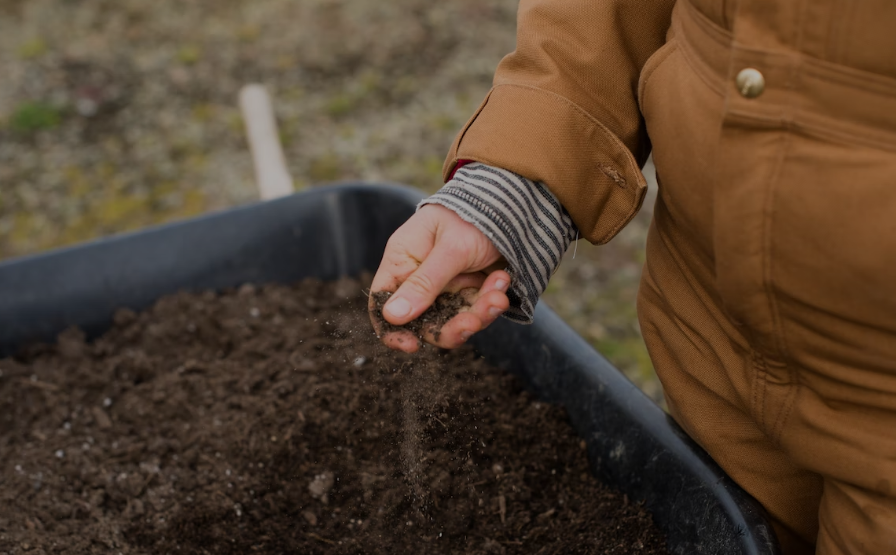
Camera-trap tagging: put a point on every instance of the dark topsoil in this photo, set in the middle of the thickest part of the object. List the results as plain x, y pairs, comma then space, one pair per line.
445, 307
271, 421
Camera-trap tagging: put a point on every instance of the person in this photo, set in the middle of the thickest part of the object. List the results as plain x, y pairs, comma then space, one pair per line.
768, 297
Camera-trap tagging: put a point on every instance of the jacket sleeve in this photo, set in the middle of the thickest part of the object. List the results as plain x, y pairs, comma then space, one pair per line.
564, 110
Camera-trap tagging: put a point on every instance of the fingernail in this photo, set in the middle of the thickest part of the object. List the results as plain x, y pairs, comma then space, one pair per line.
494, 312
464, 335
398, 308
501, 284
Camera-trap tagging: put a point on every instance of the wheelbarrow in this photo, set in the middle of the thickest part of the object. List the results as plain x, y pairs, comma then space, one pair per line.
342, 230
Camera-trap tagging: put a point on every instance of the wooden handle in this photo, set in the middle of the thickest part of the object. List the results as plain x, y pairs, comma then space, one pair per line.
271, 174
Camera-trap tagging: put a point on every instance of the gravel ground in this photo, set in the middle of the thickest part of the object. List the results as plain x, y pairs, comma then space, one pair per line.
118, 114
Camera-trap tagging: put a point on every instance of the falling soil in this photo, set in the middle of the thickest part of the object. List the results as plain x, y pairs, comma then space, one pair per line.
271, 420
445, 307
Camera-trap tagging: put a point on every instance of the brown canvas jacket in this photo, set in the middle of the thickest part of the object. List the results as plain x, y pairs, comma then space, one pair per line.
564, 106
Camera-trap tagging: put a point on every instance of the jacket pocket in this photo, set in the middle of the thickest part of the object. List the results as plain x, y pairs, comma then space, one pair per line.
653, 63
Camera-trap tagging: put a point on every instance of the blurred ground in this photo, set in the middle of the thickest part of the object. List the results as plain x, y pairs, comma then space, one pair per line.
118, 114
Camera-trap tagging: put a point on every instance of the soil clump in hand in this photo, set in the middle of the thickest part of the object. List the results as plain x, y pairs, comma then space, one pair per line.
445, 307
271, 420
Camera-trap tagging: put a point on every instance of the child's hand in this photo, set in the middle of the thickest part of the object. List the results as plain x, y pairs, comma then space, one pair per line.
432, 252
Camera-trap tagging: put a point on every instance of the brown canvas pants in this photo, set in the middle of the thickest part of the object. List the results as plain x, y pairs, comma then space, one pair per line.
768, 300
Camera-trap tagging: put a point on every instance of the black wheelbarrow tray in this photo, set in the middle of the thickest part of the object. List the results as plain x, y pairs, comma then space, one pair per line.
342, 230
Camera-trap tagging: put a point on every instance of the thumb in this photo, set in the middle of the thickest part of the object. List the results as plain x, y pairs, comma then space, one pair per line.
421, 288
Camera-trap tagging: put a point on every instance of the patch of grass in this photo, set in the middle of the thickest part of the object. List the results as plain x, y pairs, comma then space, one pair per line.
629, 354
347, 131
32, 48
407, 85
325, 168
341, 105
30, 117
286, 62
248, 32
432, 166
203, 112
370, 82
444, 122
25, 227
115, 209
188, 54
354, 95
287, 137
235, 123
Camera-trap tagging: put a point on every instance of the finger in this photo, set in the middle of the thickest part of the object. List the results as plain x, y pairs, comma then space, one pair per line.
499, 280
481, 314
462, 283
467, 285
422, 287
486, 304
489, 307
400, 259
401, 341
500, 264
455, 332
398, 262
375, 320
408, 245
491, 300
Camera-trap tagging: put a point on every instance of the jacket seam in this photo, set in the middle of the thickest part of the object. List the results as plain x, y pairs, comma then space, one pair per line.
463, 133
769, 285
708, 77
654, 63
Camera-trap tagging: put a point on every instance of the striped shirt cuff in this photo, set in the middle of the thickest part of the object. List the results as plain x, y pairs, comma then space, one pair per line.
522, 218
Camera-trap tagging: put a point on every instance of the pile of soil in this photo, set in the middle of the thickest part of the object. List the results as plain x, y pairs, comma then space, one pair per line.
445, 307
271, 420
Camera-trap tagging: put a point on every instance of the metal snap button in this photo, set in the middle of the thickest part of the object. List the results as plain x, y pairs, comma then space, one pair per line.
750, 83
